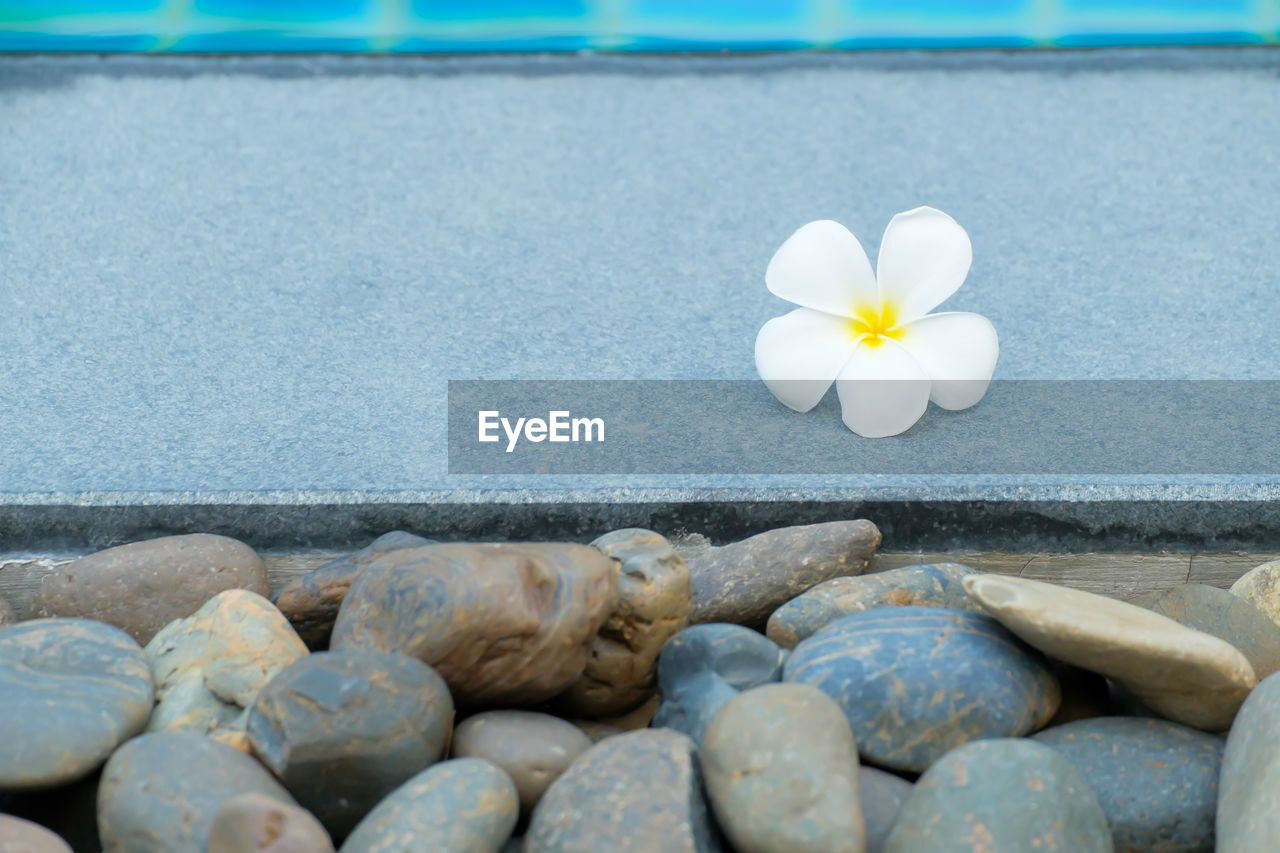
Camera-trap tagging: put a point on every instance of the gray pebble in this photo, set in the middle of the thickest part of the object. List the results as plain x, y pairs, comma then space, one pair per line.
465, 805
71, 690
343, 729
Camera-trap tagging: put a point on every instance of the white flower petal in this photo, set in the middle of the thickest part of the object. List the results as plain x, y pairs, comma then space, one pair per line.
924, 257
799, 355
958, 350
883, 391
823, 266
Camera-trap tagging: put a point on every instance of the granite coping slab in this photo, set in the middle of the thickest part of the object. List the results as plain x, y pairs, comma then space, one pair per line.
232, 290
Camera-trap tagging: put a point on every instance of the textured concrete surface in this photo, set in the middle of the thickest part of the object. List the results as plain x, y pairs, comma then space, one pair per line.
235, 287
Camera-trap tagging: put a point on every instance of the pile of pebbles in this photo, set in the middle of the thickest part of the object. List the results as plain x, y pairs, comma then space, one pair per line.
630, 695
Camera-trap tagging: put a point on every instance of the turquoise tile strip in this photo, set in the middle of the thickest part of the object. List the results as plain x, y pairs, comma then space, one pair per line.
482, 26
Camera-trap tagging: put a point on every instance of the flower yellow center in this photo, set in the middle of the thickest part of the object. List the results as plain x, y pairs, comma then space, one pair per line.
875, 322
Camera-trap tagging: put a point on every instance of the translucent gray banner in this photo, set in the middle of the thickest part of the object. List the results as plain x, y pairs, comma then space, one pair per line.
1085, 427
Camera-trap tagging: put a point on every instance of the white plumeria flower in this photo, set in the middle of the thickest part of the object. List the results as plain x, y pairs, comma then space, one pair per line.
870, 334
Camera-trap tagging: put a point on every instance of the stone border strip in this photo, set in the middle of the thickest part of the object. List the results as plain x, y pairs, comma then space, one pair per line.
1117, 575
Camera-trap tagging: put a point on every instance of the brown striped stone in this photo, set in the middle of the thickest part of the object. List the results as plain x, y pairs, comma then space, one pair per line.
144, 586
506, 624
311, 602
654, 600
746, 581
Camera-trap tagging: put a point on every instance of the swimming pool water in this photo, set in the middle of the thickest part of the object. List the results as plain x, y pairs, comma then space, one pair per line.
477, 26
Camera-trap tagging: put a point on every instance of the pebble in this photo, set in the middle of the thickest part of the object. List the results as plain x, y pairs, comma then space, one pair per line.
311, 602
781, 771
343, 729
934, 585
1185, 675
23, 836
1225, 616
464, 805
160, 792
1157, 782
253, 823
916, 682
1001, 796
71, 690
746, 581
209, 666
654, 600
705, 666
1248, 819
642, 787
1261, 587
532, 748
882, 796
143, 586
503, 624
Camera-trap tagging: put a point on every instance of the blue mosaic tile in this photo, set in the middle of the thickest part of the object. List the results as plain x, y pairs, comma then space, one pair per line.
427, 26
722, 10
499, 10
268, 41
251, 11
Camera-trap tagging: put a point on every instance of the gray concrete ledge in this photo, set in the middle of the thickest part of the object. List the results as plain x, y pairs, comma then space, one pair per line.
929, 525
232, 289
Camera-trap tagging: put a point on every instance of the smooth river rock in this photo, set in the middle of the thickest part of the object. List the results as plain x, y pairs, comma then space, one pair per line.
916, 682
209, 666
705, 666
253, 823
746, 581
639, 792
508, 624
1248, 818
1157, 782
464, 805
144, 586
1261, 587
882, 795
71, 690
1225, 616
781, 771
23, 836
160, 792
1001, 796
343, 729
654, 601
311, 602
532, 748
934, 585
1183, 674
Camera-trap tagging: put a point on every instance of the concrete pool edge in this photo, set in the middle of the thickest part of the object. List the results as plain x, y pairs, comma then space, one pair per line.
1232, 520
82, 446
44, 69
